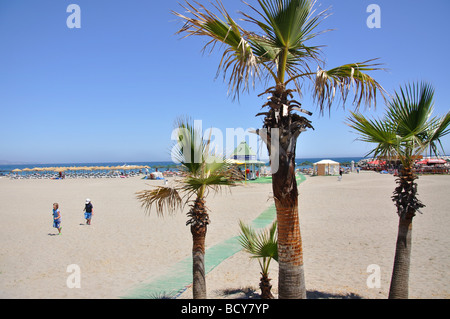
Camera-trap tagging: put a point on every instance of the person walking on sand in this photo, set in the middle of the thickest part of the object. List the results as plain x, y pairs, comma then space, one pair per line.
340, 174
57, 218
88, 209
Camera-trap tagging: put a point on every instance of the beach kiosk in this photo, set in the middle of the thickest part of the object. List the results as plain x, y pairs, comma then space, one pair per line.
326, 167
245, 157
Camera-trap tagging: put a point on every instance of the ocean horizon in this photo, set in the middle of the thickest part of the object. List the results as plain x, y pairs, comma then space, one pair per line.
6, 168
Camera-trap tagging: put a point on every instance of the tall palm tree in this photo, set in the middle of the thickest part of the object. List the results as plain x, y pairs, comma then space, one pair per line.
261, 245
405, 132
204, 172
277, 49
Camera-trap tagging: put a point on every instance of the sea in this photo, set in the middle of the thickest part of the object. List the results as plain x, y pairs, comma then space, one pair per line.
162, 166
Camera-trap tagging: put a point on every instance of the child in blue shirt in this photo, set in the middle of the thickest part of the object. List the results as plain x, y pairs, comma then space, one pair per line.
57, 218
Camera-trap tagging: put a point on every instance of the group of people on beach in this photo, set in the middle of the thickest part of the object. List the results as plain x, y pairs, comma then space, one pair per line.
88, 212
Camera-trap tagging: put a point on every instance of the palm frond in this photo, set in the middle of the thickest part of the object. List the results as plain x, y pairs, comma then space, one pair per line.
279, 49
411, 108
163, 198
237, 58
260, 245
204, 171
342, 79
214, 177
407, 129
286, 27
287, 23
375, 131
208, 171
202, 185
189, 149
440, 128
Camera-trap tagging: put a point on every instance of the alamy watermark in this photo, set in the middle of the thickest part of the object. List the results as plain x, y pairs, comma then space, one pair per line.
74, 19
74, 279
374, 279
374, 19
220, 144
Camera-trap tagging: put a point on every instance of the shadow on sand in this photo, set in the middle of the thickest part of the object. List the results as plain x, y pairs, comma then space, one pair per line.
314, 294
248, 293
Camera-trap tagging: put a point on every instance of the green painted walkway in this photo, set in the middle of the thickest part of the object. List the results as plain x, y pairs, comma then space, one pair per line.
179, 276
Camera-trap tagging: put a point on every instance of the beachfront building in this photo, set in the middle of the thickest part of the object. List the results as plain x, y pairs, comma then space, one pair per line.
326, 167
245, 158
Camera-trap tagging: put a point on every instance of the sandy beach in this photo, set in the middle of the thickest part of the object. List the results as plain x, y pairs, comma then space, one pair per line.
346, 226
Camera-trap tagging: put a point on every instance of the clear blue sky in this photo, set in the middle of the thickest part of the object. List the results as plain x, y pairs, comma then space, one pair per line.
111, 90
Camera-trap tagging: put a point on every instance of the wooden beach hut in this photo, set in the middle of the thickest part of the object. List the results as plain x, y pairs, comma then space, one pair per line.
326, 167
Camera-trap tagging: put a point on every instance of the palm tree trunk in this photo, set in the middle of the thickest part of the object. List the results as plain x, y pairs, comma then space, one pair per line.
405, 198
282, 130
291, 281
198, 262
198, 221
265, 287
400, 274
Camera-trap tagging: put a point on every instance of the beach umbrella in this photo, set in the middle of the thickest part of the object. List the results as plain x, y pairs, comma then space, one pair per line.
16, 170
109, 169
26, 170
100, 168
39, 169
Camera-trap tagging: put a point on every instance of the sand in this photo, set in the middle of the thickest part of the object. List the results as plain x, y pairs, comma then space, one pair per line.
346, 226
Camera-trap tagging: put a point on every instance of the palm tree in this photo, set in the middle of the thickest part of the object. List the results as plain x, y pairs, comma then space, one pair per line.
278, 51
406, 131
262, 245
204, 172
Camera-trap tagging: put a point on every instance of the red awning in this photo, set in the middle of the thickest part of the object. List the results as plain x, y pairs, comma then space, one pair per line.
377, 162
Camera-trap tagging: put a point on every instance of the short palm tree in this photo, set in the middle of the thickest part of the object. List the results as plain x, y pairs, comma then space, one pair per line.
277, 49
262, 245
204, 171
405, 132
